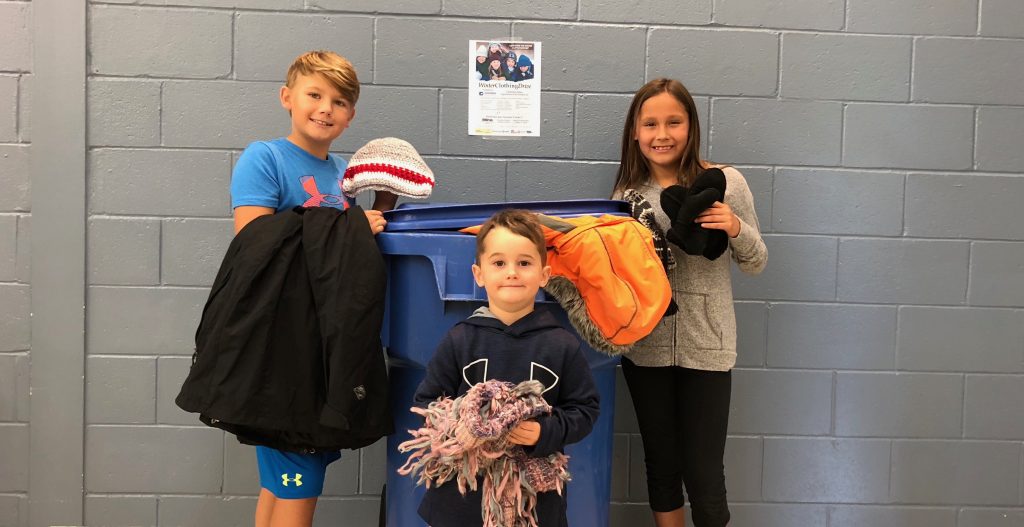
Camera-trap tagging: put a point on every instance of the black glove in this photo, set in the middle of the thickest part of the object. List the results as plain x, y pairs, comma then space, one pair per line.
683, 205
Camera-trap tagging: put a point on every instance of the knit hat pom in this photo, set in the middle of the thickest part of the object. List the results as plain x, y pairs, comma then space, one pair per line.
389, 164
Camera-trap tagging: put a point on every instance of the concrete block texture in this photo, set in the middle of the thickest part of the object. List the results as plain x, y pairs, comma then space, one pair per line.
716, 61
14, 510
890, 135
408, 113
376, 6
15, 25
606, 58
373, 468
429, 52
555, 140
14, 387
777, 402
801, 268
123, 251
14, 176
760, 180
24, 247
208, 511
1002, 18
192, 250
535, 9
463, 180
599, 125
24, 108
117, 511
972, 71
224, 114
15, 324
170, 373
996, 268
826, 470
9, 104
14, 444
761, 131
960, 340
620, 468
801, 14
913, 17
284, 5
990, 408
149, 42
903, 271
688, 12
751, 333
776, 515
120, 390
881, 404
153, 460
910, 516
976, 517
265, 43
1000, 139
241, 475
123, 112
744, 459
142, 320
159, 182
823, 201
544, 180
964, 206
8, 247
831, 336
360, 511
845, 67
955, 472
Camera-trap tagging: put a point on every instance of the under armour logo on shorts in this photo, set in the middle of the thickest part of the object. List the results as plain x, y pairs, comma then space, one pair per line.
297, 480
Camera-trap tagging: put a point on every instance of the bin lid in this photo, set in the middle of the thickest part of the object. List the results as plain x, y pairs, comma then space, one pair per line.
441, 216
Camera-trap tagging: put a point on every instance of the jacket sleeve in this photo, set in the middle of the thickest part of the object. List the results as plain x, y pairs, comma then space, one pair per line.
574, 414
348, 281
443, 375
748, 249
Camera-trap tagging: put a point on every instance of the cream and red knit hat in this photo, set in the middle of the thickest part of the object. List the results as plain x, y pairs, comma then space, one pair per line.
389, 164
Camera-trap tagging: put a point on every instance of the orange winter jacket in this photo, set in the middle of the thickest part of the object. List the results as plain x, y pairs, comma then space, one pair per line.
612, 262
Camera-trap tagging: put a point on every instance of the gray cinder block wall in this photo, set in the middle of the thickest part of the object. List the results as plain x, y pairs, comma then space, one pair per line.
881, 366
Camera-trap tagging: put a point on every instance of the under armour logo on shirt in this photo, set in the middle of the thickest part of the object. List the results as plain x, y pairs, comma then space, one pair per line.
297, 480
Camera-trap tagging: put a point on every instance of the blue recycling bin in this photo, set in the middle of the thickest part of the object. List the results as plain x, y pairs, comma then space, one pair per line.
430, 289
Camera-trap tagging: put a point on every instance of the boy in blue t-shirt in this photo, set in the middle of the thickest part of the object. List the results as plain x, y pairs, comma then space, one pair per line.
320, 95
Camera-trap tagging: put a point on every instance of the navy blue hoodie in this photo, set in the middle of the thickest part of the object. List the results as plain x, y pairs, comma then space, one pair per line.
534, 347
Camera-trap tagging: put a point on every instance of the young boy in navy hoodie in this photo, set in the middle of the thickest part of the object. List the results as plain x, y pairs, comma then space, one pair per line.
511, 341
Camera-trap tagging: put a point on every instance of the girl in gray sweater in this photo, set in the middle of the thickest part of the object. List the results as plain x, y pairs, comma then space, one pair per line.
680, 375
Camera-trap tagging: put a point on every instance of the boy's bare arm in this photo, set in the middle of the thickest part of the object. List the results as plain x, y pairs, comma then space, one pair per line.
246, 213
383, 200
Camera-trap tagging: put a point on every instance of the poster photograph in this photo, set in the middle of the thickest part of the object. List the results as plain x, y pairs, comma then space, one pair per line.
504, 88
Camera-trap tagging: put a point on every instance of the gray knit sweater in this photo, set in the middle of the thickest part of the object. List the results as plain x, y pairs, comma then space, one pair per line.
702, 335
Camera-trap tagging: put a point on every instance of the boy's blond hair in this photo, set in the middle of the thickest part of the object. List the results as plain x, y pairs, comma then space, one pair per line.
335, 68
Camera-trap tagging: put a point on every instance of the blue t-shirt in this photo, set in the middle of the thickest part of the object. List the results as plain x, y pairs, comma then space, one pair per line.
293, 177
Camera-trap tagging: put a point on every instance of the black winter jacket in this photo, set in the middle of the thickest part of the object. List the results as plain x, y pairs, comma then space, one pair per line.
288, 352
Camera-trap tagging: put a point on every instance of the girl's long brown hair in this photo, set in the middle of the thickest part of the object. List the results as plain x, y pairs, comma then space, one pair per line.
633, 167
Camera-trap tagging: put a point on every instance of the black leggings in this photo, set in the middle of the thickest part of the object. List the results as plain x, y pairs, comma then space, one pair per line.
683, 416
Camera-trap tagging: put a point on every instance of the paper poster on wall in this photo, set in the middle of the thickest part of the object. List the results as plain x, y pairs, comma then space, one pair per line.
504, 88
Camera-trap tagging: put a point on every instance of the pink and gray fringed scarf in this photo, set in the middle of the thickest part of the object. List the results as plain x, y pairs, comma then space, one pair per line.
468, 436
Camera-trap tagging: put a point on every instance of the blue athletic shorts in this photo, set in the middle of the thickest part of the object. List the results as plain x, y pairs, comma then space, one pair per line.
290, 475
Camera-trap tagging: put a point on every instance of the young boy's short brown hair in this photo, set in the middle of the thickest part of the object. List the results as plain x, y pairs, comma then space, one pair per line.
519, 221
335, 68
